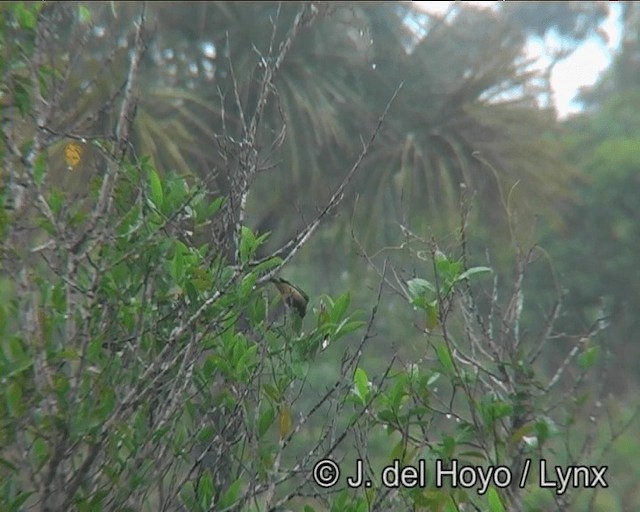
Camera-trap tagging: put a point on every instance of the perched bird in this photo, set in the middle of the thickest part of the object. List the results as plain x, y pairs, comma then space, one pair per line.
292, 296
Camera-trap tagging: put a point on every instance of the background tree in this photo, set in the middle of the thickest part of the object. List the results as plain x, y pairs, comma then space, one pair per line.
480, 101
595, 251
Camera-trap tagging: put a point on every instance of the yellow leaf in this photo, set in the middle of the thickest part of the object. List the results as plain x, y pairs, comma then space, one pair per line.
432, 315
284, 421
73, 154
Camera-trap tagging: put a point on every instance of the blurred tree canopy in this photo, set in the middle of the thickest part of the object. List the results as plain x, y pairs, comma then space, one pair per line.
596, 250
466, 113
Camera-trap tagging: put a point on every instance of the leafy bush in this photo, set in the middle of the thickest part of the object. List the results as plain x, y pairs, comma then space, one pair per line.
148, 364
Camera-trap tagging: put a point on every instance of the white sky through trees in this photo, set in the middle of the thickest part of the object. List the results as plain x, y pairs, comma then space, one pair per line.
581, 69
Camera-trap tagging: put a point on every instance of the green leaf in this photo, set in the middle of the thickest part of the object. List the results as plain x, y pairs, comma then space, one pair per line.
231, 496
26, 16
177, 263
588, 357
448, 445
347, 327
247, 244
493, 410
440, 258
526, 430
20, 499
215, 206
444, 356
387, 416
247, 285
14, 398
340, 307
361, 382
19, 366
187, 496
155, 186
39, 168
451, 506
56, 200
206, 434
105, 405
340, 502
473, 271
205, 489
267, 265
192, 293
22, 96
432, 315
495, 503
84, 14
266, 420
247, 362
419, 287
272, 392
545, 428
258, 310
398, 451
40, 451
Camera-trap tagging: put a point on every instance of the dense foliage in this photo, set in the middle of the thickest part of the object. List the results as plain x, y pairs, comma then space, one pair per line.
163, 164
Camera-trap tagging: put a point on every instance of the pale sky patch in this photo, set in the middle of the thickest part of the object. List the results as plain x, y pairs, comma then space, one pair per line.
582, 68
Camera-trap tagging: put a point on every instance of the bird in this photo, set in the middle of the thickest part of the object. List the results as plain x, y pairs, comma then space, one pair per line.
294, 297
